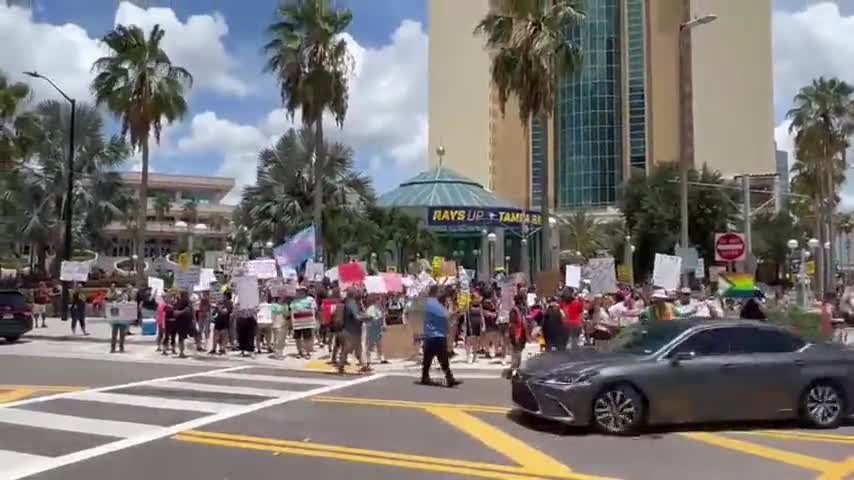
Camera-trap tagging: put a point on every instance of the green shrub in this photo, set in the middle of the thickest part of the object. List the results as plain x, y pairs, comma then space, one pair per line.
806, 324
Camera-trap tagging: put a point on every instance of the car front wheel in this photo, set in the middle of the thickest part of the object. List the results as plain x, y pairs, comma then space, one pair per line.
12, 338
618, 410
823, 405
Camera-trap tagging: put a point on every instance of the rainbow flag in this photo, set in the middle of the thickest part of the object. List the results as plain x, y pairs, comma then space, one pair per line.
736, 285
296, 250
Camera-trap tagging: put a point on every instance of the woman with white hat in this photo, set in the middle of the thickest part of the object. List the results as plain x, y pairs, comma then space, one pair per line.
660, 308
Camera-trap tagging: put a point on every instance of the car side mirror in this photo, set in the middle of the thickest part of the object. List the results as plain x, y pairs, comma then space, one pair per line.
680, 357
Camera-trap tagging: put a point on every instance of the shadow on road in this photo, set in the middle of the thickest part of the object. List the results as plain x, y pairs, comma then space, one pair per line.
543, 425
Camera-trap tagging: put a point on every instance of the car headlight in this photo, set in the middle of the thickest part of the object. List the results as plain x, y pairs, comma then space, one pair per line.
570, 379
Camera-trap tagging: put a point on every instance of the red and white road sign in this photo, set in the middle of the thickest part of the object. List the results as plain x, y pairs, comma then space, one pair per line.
730, 247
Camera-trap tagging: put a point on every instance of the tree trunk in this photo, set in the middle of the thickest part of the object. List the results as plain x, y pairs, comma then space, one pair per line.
317, 206
831, 252
141, 218
545, 231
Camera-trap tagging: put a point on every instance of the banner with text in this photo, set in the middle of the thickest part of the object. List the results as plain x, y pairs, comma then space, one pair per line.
468, 216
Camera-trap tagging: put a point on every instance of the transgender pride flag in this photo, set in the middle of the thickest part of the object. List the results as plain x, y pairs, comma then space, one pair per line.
296, 250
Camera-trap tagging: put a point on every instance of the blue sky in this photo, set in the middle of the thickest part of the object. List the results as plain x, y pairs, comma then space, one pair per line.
248, 116
234, 105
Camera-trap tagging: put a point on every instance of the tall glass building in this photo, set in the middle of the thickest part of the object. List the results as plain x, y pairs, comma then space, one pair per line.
589, 117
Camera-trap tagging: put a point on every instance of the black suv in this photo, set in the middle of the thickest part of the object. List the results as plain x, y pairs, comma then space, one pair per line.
16, 317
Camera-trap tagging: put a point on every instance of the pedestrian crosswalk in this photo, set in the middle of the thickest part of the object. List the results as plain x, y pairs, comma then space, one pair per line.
121, 416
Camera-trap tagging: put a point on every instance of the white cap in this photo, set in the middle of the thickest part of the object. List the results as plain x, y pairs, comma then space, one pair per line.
659, 293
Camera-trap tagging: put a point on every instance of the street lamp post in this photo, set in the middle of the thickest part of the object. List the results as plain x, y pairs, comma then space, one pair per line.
69, 186
801, 281
491, 240
684, 32
813, 245
629, 259
476, 253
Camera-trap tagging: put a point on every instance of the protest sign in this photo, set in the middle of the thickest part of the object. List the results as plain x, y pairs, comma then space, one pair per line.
314, 271
393, 282
603, 277
188, 279
449, 268
120, 313
157, 285
375, 284
247, 291
666, 270
573, 276
351, 272
262, 268
547, 283
74, 271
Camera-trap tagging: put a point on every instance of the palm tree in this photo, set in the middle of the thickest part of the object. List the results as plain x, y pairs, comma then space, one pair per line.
190, 212
216, 222
822, 120
139, 84
99, 195
282, 198
530, 53
18, 127
583, 233
162, 207
311, 63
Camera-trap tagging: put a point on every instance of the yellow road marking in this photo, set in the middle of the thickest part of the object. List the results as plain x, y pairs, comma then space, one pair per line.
801, 436
322, 366
842, 471
17, 394
408, 404
783, 456
533, 460
20, 392
377, 457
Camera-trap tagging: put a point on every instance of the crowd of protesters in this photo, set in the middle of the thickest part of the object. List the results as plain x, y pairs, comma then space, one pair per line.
486, 323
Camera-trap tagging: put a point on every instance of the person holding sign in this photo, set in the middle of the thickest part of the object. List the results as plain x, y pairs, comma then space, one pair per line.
78, 310
183, 320
304, 321
374, 328
41, 299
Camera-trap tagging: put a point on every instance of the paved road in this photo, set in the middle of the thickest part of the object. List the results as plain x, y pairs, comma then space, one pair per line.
95, 418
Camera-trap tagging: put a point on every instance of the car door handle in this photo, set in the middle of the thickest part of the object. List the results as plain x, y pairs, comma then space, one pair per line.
800, 363
728, 366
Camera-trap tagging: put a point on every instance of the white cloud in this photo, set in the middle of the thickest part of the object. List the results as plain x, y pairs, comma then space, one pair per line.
196, 44
386, 123
817, 41
65, 53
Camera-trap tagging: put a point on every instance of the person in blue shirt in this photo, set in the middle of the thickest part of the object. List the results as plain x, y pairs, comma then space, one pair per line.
435, 344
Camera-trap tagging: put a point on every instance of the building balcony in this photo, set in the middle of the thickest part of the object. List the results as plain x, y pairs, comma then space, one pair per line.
168, 229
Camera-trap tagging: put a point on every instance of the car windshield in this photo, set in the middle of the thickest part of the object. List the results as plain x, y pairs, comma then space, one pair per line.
647, 338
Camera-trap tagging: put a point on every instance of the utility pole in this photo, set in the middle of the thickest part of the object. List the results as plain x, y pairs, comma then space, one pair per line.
686, 127
748, 230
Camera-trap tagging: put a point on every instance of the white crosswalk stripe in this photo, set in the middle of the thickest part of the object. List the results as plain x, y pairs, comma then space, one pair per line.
207, 387
70, 423
170, 395
275, 378
8, 457
146, 401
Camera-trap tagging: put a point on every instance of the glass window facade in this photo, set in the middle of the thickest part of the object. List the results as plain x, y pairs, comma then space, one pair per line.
635, 76
589, 163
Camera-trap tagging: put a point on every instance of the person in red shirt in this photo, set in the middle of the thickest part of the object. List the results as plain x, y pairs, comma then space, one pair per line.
573, 309
518, 330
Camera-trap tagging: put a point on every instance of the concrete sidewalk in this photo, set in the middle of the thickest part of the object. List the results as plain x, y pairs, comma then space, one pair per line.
98, 328
57, 337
